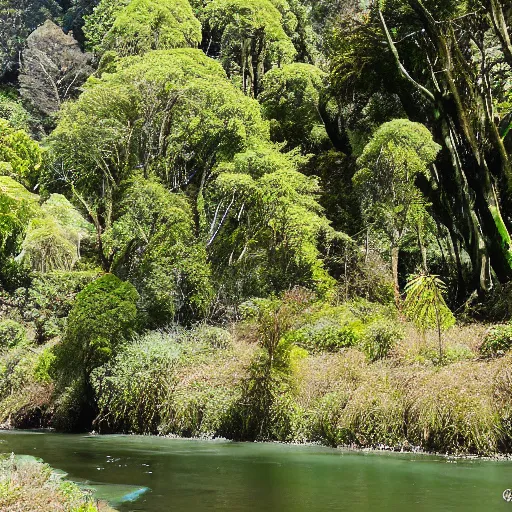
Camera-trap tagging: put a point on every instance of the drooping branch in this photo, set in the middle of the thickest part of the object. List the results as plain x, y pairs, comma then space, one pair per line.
429, 95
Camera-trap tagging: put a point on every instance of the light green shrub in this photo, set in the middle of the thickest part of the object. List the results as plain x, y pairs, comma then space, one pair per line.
212, 336
379, 338
178, 382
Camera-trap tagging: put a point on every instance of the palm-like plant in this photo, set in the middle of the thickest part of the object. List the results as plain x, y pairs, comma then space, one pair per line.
425, 306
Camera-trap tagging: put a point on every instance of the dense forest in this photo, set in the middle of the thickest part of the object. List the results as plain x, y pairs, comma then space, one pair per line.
258, 219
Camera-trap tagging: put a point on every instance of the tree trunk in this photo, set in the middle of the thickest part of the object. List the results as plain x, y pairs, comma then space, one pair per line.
395, 251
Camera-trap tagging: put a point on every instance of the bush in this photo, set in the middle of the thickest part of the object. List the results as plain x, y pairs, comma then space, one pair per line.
183, 385
327, 335
380, 337
103, 316
214, 337
11, 334
330, 329
497, 341
43, 366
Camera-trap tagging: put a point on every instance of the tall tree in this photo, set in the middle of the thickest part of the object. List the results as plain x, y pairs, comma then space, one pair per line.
144, 25
54, 69
391, 203
291, 97
441, 62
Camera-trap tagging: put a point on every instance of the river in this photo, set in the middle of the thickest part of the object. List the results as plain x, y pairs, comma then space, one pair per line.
163, 475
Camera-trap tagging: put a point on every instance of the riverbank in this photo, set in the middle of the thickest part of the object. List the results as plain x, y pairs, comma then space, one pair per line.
31, 486
206, 384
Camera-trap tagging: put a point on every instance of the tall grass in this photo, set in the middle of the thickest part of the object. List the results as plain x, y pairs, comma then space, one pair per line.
30, 486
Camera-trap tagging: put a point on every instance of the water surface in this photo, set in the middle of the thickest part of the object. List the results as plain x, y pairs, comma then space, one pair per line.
197, 476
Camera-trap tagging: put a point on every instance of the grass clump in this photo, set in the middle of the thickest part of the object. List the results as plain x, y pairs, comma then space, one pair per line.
30, 486
453, 410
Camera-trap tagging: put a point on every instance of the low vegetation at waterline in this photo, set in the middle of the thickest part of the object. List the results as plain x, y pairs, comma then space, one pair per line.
30, 486
374, 381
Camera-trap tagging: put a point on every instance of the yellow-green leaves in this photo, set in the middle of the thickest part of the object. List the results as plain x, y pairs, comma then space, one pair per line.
53, 238
20, 156
145, 25
17, 207
290, 97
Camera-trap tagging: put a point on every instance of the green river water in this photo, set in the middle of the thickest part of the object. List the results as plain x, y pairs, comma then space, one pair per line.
196, 476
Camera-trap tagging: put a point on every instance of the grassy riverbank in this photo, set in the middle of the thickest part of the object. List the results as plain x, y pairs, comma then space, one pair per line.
209, 382
30, 486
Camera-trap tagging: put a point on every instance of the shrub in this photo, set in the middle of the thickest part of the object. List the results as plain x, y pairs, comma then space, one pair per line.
451, 354
327, 335
380, 337
43, 366
329, 329
497, 341
183, 385
11, 334
214, 337
103, 316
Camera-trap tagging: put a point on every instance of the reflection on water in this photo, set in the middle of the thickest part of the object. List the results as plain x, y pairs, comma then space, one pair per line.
163, 475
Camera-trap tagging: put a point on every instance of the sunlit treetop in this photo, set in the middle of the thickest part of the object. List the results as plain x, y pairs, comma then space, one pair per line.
142, 25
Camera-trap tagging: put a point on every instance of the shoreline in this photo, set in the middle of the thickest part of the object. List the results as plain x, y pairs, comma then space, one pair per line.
382, 449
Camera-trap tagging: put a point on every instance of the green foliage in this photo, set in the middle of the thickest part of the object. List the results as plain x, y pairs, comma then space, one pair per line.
12, 334
498, 341
100, 21
13, 111
144, 25
52, 241
252, 38
46, 246
17, 207
380, 337
174, 391
278, 223
17, 365
355, 324
154, 244
391, 203
327, 333
20, 156
171, 113
26, 483
398, 152
251, 205
103, 315
48, 300
44, 365
426, 307
290, 98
